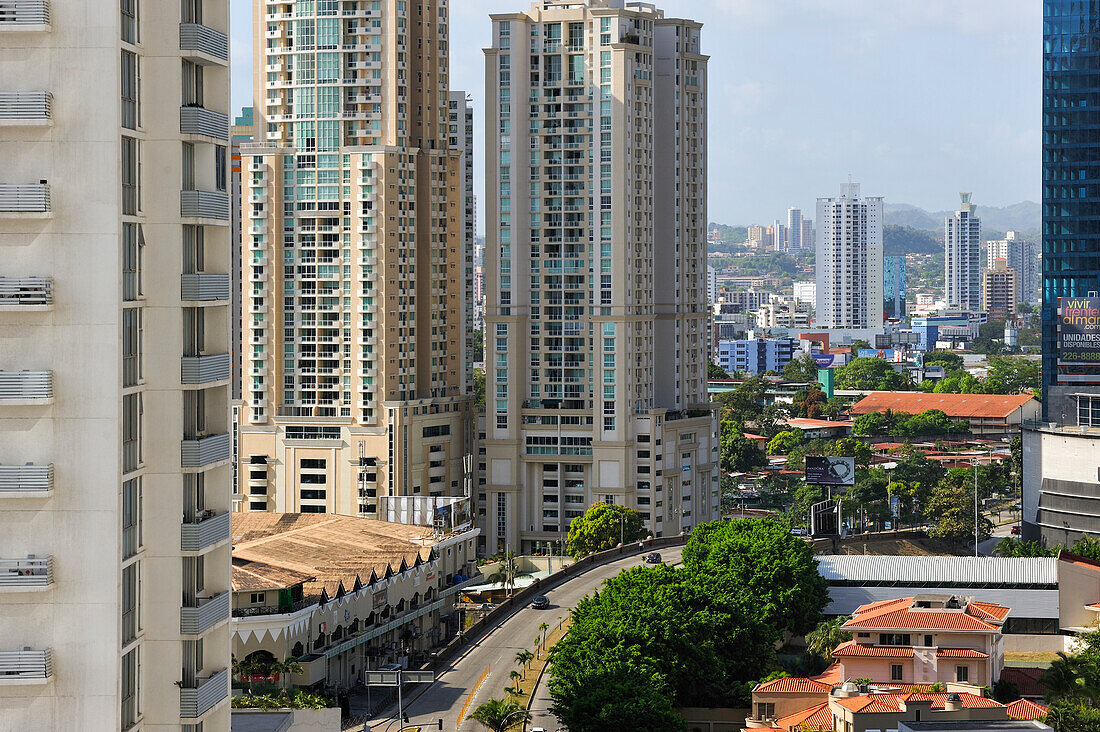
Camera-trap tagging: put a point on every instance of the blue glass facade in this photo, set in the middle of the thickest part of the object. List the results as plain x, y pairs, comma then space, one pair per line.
1071, 169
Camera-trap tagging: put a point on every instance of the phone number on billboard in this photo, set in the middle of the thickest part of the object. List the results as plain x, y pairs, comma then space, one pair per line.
1085, 356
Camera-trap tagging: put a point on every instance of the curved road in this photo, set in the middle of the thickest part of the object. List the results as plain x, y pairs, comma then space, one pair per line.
444, 698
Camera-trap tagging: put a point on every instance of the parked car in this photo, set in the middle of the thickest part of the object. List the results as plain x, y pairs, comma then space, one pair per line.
541, 602
799, 531
1015, 531
652, 558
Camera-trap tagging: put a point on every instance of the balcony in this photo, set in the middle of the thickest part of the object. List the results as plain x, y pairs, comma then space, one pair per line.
201, 452
26, 109
203, 122
26, 481
204, 45
25, 201
205, 205
206, 614
24, 15
205, 369
26, 388
205, 532
25, 666
26, 294
32, 574
206, 694
204, 287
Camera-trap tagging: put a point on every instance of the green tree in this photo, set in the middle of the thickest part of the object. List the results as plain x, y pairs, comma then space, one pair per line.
848, 447
809, 403
746, 400
1076, 675
918, 472
805, 496
835, 407
785, 441
479, 388
507, 572
522, 658
739, 453
871, 373
873, 424
602, 527
951, 507
1015, 548
828, 634
759, 559
714, 371
949, 360
495, 713
1014, 374
1087, 547
801, 369
1071, 715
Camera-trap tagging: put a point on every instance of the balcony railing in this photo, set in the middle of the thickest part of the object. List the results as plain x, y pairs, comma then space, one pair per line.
203, 451
205, 695
206, 122
26, 387
204, 40
26, 108
198, 535
16, 13
204, 286
25, 667
26, 480
205, 369
30, 573
33, 198
26, 293
204, 205
208, 613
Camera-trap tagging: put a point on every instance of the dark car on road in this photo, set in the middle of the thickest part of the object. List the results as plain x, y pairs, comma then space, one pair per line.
652, 558
541, 602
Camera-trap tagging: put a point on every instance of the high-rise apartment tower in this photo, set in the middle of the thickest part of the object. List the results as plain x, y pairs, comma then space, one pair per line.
849, 261
962, 235
595, 261
460, 131
355, 396
114, 365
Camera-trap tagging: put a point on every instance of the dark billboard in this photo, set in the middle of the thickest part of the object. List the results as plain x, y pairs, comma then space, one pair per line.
829, 470
1079, 330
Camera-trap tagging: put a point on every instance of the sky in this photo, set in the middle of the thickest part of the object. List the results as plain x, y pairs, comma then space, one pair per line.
915, 99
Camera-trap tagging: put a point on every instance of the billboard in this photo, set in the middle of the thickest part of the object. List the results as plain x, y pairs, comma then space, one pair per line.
1079, 330
830, 470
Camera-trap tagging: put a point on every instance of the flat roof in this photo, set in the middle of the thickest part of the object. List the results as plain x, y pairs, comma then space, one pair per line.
936, 571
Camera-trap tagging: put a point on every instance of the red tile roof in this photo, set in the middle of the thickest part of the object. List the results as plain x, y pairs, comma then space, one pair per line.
879, 703
1026, 709
953, 405
812, 424
899, 614
831, 675
1028, 681
851, 649
814, 719
960, 653
793, 685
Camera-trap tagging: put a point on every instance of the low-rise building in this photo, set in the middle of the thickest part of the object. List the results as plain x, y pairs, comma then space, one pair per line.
784, 312
925, 639
987, 414
855, 711
756, 356
343, 594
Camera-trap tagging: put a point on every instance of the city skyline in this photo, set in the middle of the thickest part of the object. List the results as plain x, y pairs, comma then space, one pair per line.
910, 53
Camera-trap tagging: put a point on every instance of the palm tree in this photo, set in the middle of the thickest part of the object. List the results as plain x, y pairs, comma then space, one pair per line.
523, 658
544, 627
496, 713
285, 667
826, 636
507, 572
243, 668
515, 676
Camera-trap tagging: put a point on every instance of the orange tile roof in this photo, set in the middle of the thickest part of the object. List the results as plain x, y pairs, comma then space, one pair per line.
1028, 681
960, 653
810, 424
793, 685
1026, 709
879, 703
870, 703
851, 649
814, 719
831, 675
953, 405
899, 614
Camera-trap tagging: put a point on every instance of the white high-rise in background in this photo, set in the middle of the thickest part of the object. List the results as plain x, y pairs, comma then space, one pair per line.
460, 132
779, 236
1022, 255
849, 260
595, 262
799, 231
115, 374
806, 292
962, 232
712, 285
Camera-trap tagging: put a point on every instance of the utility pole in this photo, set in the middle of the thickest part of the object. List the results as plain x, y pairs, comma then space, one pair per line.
976, 504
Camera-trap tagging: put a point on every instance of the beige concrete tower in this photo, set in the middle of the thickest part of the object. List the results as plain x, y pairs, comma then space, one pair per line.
114, 365
354, 398
595, 261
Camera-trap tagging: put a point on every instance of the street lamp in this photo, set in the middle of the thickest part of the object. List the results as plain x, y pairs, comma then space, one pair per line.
504, 722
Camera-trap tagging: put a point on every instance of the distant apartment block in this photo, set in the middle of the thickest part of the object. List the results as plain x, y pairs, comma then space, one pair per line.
806, 292
114, 365
999, 291
962, 233
595, 262
756, 356
460, 132
893, 286
849, 261
1025, 257
784, 312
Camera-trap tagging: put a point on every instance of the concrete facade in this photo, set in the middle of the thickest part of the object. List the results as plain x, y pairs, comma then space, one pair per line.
114, 365
595, 262
1061, 489
849, 261
962, 264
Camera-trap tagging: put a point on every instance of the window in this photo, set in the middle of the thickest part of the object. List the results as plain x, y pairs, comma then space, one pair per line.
894, 639
131, 672
765, 710
131, 176
962, 674
314, 463
439, 430
129, 20
131, 622
130, 91
192, 85
257, 598
1088, 411
219, 167
895, 672
131, 346
131, 517
131, 432
927, 641
133, 242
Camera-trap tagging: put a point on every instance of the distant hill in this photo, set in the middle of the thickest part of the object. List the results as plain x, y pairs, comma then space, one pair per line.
897, 241
1025, 217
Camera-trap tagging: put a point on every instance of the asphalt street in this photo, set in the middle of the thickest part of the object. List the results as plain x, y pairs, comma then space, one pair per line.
497, 650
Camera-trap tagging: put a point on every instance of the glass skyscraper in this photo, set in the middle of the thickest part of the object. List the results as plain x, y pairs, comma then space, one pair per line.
1071, 171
